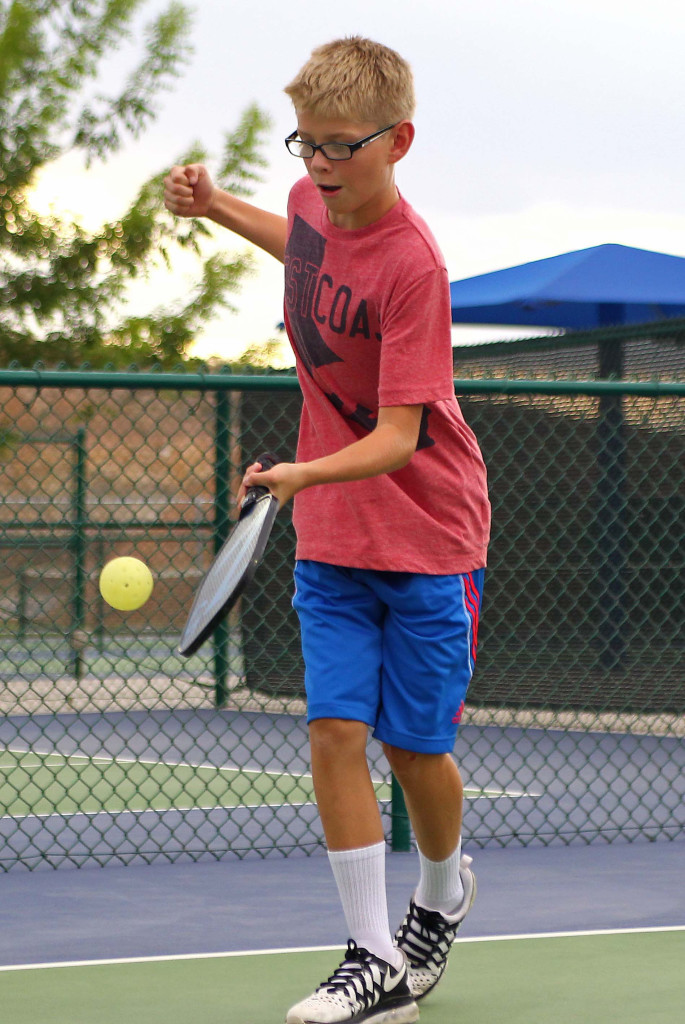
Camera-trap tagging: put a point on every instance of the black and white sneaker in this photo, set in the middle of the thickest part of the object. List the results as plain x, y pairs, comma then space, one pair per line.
364, 988
425, 936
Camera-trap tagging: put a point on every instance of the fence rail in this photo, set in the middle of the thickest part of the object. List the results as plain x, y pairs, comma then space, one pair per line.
115, 749
215, 382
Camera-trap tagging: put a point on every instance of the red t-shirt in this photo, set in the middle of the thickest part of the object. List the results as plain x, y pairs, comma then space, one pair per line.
368, 315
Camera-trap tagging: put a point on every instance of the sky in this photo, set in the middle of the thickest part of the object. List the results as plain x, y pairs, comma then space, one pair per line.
542, 126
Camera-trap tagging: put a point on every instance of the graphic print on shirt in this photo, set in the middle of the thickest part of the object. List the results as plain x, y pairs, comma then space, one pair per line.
304, 288
306, 248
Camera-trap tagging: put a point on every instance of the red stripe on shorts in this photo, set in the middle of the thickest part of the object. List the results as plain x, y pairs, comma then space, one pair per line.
472, 598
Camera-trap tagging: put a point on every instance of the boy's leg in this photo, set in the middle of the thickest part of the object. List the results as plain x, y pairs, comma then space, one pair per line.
372, 982
353, 829
433, 794
344, 792
342, 637
430, 641
341, 626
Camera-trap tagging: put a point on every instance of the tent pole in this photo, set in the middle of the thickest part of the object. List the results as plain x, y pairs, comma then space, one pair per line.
612, 532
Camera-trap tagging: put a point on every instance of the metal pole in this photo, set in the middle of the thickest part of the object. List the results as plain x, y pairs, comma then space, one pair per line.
400, 840
76, 639
22, 619
612, 531
222, 477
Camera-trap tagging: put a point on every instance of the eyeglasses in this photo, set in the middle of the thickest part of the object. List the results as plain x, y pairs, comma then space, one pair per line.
331, 150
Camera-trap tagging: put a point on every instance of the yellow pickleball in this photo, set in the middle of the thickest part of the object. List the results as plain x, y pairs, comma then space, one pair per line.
126, 583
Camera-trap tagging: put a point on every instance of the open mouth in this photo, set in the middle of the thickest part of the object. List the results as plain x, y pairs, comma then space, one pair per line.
329, 190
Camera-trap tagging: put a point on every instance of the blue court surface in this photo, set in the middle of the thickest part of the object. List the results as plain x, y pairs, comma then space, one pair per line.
254, 904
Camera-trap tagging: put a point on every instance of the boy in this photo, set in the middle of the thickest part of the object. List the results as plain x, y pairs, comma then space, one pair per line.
391, 513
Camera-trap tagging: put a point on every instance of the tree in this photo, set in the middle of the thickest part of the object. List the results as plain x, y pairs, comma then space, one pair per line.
62, 288
258, 358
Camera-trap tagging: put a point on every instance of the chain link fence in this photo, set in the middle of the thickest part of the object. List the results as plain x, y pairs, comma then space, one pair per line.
113, 749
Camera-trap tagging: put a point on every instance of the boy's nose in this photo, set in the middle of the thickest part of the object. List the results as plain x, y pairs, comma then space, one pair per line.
319, 161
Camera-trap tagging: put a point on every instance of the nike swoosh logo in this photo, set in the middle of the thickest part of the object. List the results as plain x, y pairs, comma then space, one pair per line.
390, 982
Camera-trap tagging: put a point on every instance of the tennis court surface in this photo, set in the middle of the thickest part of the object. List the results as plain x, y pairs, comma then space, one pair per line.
582, 933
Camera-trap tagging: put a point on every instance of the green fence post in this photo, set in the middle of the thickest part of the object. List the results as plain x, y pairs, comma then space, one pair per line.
79, 549
22, 619
100, 606
400, 840
221, 527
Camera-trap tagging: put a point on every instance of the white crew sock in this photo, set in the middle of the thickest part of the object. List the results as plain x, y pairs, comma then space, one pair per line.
440, 886
360, 877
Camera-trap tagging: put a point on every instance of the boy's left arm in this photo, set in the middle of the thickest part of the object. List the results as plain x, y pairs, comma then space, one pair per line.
388, 447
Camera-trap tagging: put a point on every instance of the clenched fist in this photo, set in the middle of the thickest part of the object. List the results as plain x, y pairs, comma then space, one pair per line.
188, 191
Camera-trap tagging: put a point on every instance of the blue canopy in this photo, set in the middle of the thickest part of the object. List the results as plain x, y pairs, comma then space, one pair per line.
600, 286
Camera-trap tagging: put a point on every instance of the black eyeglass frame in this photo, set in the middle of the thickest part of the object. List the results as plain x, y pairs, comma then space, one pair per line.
351, 146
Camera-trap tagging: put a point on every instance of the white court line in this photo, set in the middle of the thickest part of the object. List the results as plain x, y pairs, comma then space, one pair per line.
326, 949
115, 759
198, 807
151, 810
208, 807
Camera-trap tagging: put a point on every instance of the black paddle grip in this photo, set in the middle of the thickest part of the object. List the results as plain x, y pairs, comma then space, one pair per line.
268, 460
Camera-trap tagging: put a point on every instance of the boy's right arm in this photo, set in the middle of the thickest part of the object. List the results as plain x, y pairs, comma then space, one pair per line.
190, 192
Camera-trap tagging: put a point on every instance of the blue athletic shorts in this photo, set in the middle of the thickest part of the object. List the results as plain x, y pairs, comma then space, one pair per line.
393, 649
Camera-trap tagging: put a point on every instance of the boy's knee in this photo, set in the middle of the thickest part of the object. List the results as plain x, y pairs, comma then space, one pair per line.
408, 764
335, 735
401, 761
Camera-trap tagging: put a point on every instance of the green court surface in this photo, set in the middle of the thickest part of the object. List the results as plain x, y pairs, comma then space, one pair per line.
58, 784
594, 978
54, 783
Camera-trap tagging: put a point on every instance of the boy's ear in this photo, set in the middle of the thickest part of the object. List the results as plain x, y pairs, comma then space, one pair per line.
403, 136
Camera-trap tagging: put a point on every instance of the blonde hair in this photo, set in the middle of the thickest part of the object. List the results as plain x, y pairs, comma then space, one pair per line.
355, 79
